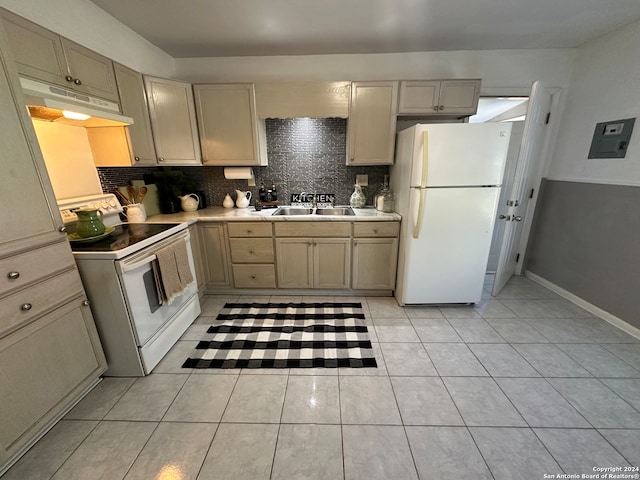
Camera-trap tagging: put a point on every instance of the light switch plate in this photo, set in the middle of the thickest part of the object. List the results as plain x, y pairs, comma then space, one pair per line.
362, 180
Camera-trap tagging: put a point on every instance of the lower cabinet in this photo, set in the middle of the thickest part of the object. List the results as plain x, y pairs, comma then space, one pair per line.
374, 263
215, 255
313, 262
45, 367
252, 257
198, 260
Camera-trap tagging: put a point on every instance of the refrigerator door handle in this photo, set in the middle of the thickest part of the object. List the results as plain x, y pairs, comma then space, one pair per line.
420, 214
425, 159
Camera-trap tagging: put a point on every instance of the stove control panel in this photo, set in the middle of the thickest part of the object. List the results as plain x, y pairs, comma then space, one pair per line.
107, 203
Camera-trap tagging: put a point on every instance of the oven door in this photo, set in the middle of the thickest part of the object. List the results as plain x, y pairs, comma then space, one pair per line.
147, 315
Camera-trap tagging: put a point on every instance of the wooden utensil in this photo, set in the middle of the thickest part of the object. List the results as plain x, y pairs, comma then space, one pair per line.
132, 193
122, 197
141, 193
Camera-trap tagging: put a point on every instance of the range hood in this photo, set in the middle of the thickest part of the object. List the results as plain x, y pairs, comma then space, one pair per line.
48, 102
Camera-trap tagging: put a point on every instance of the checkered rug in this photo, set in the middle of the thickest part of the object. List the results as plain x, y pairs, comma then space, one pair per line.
285, 335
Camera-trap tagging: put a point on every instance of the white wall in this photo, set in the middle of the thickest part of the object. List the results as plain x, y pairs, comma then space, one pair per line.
605, 86
86, 24
509, 71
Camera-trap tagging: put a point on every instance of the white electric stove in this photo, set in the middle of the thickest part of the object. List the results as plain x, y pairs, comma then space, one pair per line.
136, 329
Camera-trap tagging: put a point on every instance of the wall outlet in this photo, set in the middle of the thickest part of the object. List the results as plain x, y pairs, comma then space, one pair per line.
362, 180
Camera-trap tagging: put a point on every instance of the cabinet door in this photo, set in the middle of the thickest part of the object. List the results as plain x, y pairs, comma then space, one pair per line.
37, 51
419, 97
92, 73
374, 263
331, 262
45, 367
294, 261
372, 123
216, 256
459, 97
133, 102
33, 217
173, 121
227, 124
198, 260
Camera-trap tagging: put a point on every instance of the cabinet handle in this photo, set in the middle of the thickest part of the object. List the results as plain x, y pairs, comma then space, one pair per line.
13, 275
85, 303
69, 78
77, 81
441, 107
161, 159
137, 159
62, 229
25, 307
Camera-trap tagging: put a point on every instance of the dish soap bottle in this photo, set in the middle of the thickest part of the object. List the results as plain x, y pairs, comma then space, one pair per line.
357, 199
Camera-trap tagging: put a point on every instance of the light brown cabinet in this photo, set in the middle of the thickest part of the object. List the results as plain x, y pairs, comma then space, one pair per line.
252, 255
173, 121
198, 258
372, 123
375, 255
133, 102
439, 97
215, 253
227, 123
42, 54
50, 353
313, 254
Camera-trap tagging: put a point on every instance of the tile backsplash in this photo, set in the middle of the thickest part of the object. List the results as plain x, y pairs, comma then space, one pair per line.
304, 155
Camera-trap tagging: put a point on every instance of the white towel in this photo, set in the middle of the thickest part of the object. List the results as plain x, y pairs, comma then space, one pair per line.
172, 272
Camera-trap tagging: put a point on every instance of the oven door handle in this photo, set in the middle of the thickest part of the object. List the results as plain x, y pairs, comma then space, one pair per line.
124, 268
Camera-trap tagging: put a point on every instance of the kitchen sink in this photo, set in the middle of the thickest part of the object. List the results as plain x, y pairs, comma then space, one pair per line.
335, 211
293, 211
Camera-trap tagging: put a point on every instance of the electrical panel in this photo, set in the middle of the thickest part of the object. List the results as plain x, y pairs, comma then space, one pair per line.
611, 139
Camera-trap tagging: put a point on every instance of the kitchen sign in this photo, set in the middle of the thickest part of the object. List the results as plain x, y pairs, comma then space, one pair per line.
322, 200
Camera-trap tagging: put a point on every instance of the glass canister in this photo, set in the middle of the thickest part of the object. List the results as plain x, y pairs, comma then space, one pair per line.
385, 200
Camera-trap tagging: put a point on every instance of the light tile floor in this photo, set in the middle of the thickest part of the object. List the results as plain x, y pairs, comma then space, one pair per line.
514, 387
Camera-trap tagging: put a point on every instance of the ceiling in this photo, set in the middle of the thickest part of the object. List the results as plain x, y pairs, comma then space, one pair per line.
212, 28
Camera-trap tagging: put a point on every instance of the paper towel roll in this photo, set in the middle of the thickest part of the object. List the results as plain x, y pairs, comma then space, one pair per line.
238, 173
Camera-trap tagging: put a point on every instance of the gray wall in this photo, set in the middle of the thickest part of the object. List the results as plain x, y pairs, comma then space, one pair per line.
586, 239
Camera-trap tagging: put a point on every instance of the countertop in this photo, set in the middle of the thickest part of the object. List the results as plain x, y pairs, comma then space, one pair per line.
221, 214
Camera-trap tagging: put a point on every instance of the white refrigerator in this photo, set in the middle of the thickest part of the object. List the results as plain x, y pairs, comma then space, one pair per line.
447, 180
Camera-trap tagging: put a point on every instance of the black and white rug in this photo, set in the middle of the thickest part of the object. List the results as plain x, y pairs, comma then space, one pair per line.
286, 335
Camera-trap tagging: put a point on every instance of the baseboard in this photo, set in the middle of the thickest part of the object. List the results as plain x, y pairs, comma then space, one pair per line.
582, 303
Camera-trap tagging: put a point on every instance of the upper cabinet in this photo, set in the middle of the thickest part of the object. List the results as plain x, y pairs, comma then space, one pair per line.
372, 123
133, 102
227, 123
439, 97
42, 54
173, 121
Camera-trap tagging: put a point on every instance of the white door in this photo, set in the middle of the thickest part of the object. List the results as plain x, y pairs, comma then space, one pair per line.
530, 157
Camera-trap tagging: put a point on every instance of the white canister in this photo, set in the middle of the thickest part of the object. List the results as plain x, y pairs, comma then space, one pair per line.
135, 213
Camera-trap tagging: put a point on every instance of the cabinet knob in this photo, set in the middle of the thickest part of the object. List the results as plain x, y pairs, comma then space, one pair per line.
251, 252
85, 303
137, 159
161, 159
253, 277
69, 78
249, 230
13, 275
205, 160
441, 107
62, 229
25, 307
435, 107
77, 81
375, 230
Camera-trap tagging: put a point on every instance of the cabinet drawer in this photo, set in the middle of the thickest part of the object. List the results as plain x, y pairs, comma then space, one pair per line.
249, 229
313, 229
31, 266
252, 250
254, 276
28, 304
376, 229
